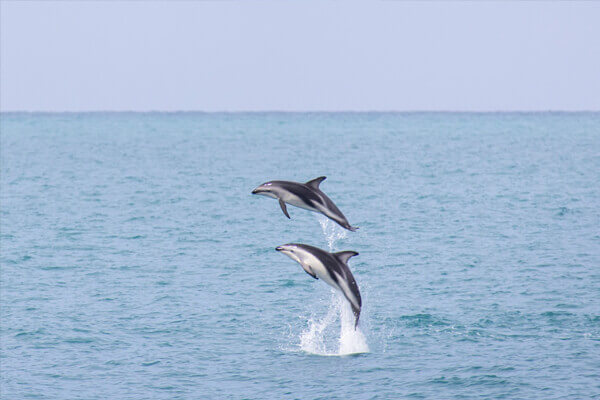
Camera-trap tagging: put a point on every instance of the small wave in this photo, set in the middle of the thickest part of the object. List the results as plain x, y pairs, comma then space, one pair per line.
150, 363
423, 320
76, 340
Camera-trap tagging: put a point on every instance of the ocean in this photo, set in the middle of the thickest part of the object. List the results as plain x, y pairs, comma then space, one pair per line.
136, 264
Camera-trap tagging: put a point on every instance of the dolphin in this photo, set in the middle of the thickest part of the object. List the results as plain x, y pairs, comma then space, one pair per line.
304, 195
330, 267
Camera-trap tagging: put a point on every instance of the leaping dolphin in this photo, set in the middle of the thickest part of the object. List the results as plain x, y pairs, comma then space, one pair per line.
330, 267
304, 195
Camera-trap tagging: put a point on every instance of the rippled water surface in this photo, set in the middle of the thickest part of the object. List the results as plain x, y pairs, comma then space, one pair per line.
135, 263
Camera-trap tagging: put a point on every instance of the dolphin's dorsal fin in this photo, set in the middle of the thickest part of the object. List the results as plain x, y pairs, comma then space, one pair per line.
344, 256
315, 182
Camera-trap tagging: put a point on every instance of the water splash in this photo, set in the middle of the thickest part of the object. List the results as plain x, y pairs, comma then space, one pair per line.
315, 338
320, 336
333, 233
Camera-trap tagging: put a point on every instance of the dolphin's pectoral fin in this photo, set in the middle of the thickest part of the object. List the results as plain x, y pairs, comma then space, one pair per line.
284, 208
309, 271
314, 183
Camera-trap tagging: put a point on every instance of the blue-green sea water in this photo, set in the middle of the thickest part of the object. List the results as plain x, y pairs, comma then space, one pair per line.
136, 264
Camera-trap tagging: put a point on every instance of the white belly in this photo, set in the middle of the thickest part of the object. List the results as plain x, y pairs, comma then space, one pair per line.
319, 270
295, 201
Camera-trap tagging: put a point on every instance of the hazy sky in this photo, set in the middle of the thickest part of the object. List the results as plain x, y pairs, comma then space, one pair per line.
299, 55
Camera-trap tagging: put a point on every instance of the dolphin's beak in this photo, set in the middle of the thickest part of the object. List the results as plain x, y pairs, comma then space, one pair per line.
279, 248
255, 191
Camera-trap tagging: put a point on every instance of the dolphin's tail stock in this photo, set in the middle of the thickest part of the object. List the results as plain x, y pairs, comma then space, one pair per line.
356, 312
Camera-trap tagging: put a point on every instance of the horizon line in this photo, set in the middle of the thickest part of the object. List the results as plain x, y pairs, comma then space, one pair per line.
540, 111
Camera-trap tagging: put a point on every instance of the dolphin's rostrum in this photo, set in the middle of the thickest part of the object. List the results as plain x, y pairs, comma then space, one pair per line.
330, 267
304, 195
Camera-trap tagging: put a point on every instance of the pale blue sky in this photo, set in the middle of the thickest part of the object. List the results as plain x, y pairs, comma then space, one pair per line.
305, 55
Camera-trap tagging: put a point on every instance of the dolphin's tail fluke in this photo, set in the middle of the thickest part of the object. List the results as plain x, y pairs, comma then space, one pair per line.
346, 225
349, 227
